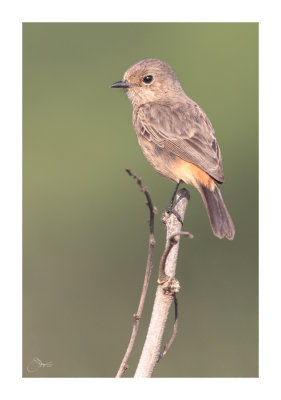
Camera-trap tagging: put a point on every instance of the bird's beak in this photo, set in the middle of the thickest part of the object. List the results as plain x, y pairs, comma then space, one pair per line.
121, 84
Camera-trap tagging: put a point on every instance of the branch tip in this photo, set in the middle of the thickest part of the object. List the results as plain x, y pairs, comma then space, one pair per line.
174, 240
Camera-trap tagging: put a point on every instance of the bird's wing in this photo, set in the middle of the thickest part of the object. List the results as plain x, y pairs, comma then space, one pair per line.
184, 130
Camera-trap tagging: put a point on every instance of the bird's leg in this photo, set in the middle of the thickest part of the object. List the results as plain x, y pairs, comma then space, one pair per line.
173, 196
170, 209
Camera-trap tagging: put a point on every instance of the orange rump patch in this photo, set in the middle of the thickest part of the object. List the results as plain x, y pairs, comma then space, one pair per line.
190, 173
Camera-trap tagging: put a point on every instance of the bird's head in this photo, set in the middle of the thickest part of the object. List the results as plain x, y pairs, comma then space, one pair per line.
149, 80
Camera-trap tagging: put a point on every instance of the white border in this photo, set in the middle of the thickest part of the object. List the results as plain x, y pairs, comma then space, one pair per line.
12, 15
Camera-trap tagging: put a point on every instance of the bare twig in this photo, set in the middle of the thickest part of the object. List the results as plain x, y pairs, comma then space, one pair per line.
152, 211
162, 277
166, 289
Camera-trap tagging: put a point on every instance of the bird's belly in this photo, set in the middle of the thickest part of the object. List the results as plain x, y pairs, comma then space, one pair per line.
173, 167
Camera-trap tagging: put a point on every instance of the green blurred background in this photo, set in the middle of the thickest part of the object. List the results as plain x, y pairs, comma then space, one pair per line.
85, 226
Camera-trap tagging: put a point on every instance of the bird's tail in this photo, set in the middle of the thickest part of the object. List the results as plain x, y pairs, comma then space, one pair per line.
219, 217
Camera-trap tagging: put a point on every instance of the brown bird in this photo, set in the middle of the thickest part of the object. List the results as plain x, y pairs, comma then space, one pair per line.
176, 136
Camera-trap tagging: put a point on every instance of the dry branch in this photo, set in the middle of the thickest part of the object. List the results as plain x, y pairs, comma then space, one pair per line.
166, 289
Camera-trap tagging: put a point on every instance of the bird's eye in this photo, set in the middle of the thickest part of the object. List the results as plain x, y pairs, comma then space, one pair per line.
148, 79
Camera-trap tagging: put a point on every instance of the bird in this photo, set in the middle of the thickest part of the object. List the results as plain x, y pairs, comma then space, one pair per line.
176, 136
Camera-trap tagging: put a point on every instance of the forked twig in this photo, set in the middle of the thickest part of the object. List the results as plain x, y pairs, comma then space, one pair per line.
165, 293
152, 211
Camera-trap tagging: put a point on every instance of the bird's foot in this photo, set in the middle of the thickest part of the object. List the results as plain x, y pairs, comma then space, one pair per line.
166, 214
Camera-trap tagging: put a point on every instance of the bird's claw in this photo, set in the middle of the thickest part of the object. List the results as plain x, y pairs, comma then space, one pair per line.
166, 214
